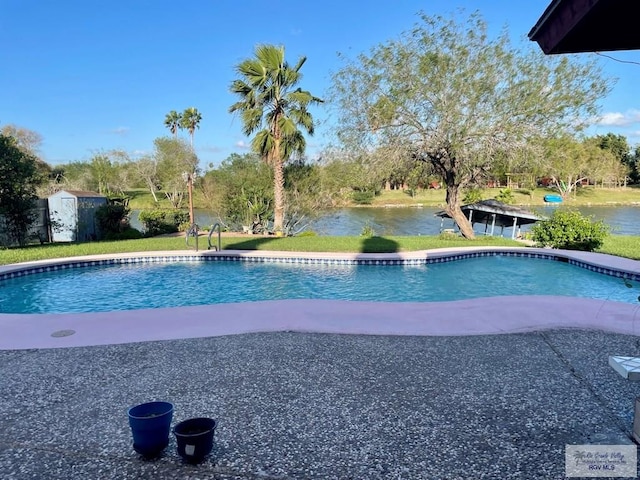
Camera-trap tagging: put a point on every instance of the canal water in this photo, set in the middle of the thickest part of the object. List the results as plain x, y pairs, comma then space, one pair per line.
623, 220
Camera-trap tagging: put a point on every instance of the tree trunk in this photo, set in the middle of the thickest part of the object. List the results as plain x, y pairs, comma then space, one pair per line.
454, 211
278, 187
278, 196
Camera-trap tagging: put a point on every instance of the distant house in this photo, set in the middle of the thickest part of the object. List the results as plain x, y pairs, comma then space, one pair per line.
73, 215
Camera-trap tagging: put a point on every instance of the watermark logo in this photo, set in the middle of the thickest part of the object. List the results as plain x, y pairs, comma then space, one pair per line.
601, 461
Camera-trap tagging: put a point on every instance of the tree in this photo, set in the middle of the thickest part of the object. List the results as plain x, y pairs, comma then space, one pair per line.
635, 165
147, 169
26, 140
174, 158
240, 191
618, 145
172, 122
459, 99
102, 171
19, 179
29, 142
569, 162
190, 120
274, 109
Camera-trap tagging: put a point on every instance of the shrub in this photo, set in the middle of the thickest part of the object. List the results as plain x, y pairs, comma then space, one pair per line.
569, 229
368, 231
506, 196
113, 218
158, 222
128, 233
473, 195
363, 197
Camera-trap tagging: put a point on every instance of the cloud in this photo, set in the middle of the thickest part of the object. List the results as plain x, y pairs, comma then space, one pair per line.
119, 130
211, 149
140, 153
618, 119
242, 144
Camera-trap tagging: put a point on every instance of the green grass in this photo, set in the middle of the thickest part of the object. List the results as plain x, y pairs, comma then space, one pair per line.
583, 197
627, 246
142, 199
624, 246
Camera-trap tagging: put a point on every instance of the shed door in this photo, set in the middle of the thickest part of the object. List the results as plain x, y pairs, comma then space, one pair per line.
68, 219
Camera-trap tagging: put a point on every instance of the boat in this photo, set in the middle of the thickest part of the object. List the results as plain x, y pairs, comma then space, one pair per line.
553, 198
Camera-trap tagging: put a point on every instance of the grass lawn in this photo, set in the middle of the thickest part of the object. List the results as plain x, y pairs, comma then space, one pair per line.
142, 199
624, 246
584, 196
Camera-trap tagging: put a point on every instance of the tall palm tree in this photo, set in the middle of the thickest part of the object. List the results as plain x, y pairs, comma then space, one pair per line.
271, 106
172, 122
190, 121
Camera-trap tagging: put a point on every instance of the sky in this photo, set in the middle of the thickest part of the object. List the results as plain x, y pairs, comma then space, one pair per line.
92, 76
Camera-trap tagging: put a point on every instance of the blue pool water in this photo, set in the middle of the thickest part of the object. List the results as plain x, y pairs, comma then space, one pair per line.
136, 286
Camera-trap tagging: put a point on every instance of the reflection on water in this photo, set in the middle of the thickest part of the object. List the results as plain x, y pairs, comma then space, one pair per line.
422, 221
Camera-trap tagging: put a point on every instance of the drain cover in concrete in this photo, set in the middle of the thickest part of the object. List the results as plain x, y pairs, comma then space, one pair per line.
63, 333
628, 367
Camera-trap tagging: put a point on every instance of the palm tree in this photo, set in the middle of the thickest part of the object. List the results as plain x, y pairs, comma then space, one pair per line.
271, 105
190, 121
172, 122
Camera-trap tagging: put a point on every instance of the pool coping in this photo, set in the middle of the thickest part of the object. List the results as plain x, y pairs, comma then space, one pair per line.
491, 315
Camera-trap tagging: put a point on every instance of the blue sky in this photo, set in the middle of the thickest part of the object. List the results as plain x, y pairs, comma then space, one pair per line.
97, 75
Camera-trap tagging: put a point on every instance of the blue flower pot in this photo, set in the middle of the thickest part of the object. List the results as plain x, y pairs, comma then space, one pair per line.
150, 426
195, 438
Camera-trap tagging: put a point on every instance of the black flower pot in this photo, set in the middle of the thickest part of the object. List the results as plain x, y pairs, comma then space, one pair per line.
195, 438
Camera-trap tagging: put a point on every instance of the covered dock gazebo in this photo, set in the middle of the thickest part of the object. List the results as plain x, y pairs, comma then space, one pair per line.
492, 214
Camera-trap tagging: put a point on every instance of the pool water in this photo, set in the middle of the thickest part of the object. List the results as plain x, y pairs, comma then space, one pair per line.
136, 286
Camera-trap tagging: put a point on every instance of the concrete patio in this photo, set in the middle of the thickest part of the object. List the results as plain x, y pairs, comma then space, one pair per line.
321, 406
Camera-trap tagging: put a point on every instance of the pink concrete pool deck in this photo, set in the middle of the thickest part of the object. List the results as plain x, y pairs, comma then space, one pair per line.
494, 315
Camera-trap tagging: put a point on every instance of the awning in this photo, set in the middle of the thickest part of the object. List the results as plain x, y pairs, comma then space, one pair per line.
574, 26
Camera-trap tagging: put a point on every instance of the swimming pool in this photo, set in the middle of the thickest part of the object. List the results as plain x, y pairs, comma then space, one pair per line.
132, 286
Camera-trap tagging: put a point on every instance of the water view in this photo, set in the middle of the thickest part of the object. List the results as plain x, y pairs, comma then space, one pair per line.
624, 220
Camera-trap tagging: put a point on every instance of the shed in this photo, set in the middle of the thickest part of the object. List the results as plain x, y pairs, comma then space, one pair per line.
493, 213
73, 215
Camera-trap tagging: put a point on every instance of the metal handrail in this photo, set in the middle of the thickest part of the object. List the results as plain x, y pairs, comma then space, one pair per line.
211, 230
192, 232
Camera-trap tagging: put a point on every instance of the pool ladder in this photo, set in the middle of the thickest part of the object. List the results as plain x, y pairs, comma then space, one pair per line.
192, 232
211, 230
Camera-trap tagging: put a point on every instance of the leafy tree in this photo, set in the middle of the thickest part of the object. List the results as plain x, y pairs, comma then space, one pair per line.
26, 140
274, 109
306, 197
29, 142
457, 98
635, 165
172, 122
569, 162
19, 179
569, 229
77, 176
103, 172
190, 120
619, 147
146, 169
240, 191
344, 175
174, 159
